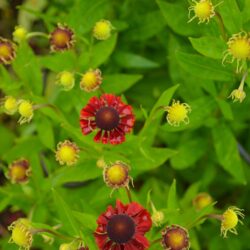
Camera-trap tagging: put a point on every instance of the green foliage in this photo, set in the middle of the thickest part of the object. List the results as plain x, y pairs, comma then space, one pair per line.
154, 56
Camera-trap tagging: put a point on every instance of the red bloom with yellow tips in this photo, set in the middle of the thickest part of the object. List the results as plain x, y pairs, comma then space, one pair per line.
123, 227
109, 116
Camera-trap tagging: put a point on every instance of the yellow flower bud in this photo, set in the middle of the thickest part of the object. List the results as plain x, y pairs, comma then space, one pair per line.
7, 51
67, 153
204, 10
102, 30
177, 113
91, 80
26, 111
238, 95
10, 105
21, 233
19, 34
238, 50
202, 200
116, 175
230, 219
157, 218
66, 79
19, 171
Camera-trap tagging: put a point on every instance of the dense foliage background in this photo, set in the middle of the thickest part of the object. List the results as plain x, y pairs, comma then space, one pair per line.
153, 56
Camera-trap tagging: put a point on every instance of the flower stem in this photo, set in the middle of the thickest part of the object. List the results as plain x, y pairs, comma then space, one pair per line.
129, 194
155, 241
244, 77
33, 34
221, 26
53, 233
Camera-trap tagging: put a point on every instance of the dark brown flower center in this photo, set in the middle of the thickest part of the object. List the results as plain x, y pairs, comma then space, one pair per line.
121, 228
107, 118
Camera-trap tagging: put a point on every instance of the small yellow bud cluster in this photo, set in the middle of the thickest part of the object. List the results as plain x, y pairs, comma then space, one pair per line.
238, 50
91, 80
202, 200
177, 113
21, 233
67, 153
19, 34
102, 30
66, 79
230, 219
204, 10
24, 107
116, 175
19, 171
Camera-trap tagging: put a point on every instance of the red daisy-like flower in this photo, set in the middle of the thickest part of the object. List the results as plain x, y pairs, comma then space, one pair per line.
110, 116
123, 227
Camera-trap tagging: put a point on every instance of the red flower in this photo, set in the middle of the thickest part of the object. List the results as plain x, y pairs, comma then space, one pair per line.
123, 227
110, 116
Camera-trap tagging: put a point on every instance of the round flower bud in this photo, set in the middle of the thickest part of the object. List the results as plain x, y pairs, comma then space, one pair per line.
62, 38
66, 79
21, 233
26, 111
157, 218
19, 171
91, 80
238, 95
10, 105
177, 113
175, 238
116, 175
230, 219
67, 153
202, 200
19, 34
238, 50
101, 163
102, 30
7, 51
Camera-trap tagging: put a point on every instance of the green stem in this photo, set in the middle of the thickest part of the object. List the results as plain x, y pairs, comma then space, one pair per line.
129, 194
53, 233
221, 26
243, 80
34, 34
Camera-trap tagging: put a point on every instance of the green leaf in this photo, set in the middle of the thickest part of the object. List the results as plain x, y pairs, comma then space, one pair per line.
65, 213
227, 152
45, 132
231, 16
209, 46
150, 128
172, 197
28, 71
225, 109
204, 67
118, 83
188, 153
153, 23
86, 220
129, 60
84, 14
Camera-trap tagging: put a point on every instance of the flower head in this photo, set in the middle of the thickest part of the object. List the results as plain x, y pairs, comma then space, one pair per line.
10, 105
238, 49
91, 80
66, 79
123, 227
110, 116
175, 238
202, 200
116, 175
157, 218
204, 10
230, 219
26, 110
177, 113
238, 95
19, 34
19, 171
21, 233
67, 153
62, 38
7, 51
102, 30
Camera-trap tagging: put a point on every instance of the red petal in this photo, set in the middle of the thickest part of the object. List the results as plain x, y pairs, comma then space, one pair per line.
105, 137
98, 136
100, 240
142, 240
